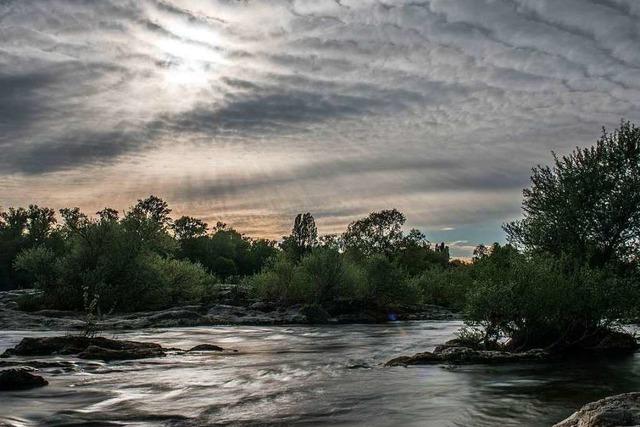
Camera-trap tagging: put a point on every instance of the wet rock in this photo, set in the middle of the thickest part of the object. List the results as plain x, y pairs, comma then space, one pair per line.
620, 410
616, 341
315, 313
94, 352
58, 314
359, 366
20, 379
262, 306
206, 347
85, 347
468, 356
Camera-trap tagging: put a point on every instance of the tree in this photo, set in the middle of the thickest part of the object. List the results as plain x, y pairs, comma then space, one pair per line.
154, 209
379, 233
40, 223
21, 229
303, 238
587, 204
480, 252
187, 227
107, 214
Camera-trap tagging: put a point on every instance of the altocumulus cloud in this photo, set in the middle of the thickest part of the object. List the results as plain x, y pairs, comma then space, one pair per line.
252, 111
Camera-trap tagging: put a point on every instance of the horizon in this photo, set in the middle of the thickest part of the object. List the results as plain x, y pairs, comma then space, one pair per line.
250, 113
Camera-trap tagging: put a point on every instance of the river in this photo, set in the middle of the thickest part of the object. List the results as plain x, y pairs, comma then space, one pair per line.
307, 375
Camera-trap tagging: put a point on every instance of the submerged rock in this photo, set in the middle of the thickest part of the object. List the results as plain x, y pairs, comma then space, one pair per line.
94, 352
20, 379
620, 410
206, 347
86, 348
468, 356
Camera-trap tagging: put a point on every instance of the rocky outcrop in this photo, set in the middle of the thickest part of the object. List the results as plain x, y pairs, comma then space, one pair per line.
467, 356
98, 348
20, 379
614, 411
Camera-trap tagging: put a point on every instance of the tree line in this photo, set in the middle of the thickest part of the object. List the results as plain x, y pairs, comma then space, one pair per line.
569, 273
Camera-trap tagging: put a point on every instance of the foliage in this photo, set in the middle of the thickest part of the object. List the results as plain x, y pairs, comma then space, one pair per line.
22, 229
225, 253
538, 300
446, 286
334, 281
379, 233
587, 204
128, 263
303, 238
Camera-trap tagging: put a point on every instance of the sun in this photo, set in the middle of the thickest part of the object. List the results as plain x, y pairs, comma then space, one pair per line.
191, 58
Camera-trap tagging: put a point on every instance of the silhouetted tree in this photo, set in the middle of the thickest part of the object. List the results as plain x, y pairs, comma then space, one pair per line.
304, 236
187, 227
107, 214
480, 252
154, 209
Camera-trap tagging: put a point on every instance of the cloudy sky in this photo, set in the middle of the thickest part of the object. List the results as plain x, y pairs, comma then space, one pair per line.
252, 111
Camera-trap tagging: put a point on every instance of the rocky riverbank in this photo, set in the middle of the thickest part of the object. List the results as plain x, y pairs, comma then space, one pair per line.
614, 411
231, 310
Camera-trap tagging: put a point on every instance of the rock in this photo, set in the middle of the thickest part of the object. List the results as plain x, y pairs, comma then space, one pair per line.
315, 313
468, 356
618, 342
620, 410
93, 352
206, 347
86, 348
57, 314
262, 306
20, 379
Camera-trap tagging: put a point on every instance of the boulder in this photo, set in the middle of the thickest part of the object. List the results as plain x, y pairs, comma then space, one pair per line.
85, 347
468, 356
620, 410
206, 347
315, 313
94, 352
616, 341
20, 379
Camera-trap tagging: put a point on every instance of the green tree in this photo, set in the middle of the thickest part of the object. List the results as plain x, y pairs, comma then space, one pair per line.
379, 233
303, 237
587, 204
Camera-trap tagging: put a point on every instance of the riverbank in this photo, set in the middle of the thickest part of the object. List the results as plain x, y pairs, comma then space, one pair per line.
232, 310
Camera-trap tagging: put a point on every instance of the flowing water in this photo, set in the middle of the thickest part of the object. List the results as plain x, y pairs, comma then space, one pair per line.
307, 375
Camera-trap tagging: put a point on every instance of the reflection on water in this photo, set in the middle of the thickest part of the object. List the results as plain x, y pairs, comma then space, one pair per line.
307, 375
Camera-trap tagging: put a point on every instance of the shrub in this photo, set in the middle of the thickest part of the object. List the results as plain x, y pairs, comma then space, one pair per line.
541, 301
447, 287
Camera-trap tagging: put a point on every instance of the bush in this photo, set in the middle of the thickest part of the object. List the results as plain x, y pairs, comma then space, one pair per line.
336, 282
540, 301
447, 287
275, 283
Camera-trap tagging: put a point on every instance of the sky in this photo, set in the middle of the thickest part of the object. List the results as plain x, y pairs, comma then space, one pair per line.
252, 111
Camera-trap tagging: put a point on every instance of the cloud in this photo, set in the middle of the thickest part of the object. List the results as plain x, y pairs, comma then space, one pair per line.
439, 107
